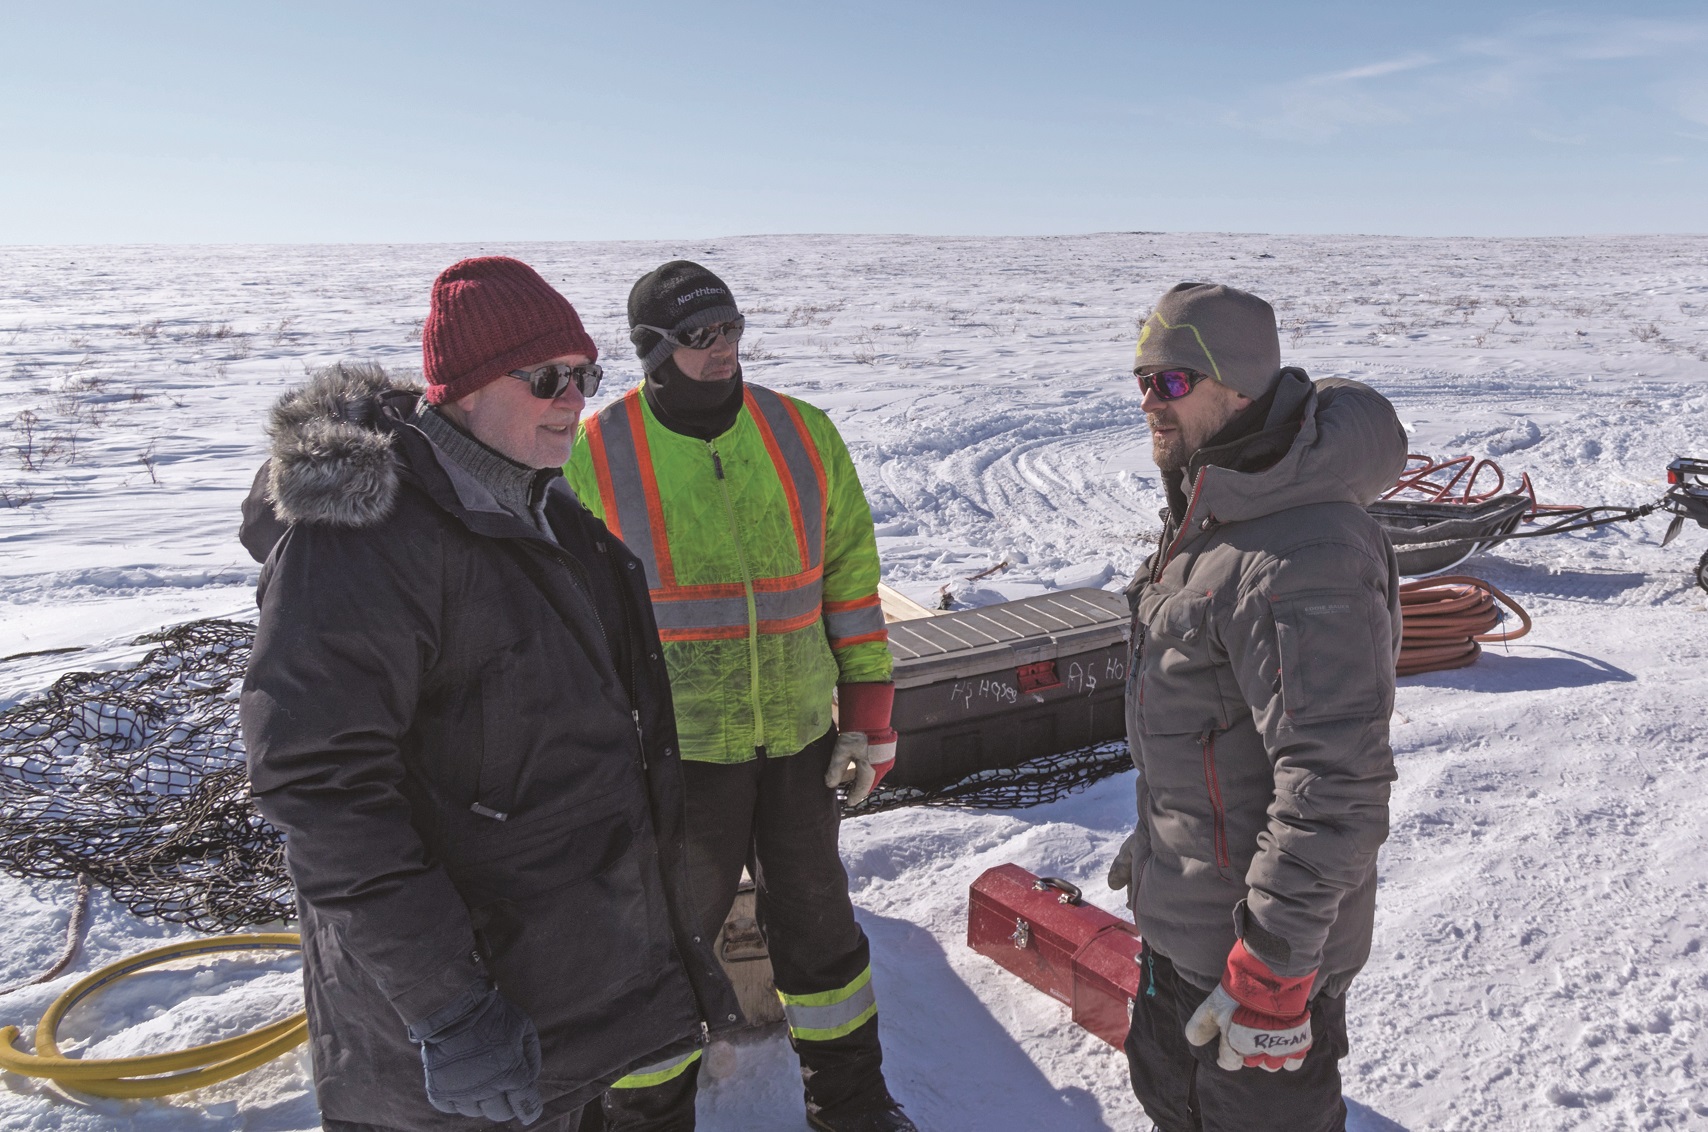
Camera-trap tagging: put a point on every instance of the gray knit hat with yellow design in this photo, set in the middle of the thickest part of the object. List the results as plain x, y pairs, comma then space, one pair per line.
1217, 330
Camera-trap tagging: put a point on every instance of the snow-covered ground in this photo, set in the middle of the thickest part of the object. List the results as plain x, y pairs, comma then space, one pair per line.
1539, 958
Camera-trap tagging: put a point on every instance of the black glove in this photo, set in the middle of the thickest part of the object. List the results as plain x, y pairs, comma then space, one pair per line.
484, 1061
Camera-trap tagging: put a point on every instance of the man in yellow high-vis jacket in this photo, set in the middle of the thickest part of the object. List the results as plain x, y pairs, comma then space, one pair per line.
744, 508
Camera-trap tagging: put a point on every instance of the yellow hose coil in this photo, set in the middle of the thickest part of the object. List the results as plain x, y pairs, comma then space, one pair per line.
140, 1076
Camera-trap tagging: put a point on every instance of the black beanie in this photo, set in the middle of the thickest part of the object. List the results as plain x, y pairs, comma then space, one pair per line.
678, 296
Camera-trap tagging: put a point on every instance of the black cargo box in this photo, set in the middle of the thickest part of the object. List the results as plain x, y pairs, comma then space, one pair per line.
987, 688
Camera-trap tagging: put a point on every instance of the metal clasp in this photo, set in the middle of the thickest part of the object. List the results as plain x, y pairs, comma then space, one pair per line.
1022, 936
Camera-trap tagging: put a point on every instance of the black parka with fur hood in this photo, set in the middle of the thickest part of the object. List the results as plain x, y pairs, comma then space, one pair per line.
466, 733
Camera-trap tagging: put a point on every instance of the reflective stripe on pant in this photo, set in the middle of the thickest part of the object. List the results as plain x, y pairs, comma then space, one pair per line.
648, 1076
777, 816
831, 1014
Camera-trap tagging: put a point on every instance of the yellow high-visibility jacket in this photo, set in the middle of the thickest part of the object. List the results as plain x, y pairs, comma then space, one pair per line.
760, 559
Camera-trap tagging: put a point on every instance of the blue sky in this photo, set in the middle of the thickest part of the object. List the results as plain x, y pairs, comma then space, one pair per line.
312, 121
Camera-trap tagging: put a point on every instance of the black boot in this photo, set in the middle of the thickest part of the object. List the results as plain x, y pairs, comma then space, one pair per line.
888, 1118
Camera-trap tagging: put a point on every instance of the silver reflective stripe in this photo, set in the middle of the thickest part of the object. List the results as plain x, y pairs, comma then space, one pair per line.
791, 605
854, 622
721, 612
829, 1015
700, 613
792, 444
623, 464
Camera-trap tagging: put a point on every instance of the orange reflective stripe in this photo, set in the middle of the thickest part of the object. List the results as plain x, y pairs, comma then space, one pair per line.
799, 468
709, 611
787, 480
714, 612
602, 472
855, 621
863, 638
628, 512
788, 581
736, 632
702, 591
649, 486
719, 633
813, 457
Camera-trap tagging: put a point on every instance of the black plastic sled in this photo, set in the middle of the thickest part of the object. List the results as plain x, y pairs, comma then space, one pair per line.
1431, 537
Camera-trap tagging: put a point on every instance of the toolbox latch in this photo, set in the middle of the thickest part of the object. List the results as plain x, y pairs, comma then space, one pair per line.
1037, 677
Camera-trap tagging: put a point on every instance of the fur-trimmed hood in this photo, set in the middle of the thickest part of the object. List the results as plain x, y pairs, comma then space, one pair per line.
332, 439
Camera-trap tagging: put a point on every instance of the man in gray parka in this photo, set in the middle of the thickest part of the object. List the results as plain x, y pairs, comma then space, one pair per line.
1265, 630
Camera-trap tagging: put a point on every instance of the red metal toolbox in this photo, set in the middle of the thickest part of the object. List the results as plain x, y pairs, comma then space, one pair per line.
1038, 928
982, 689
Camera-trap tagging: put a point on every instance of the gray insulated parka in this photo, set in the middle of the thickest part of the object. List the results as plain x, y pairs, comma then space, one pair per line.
464, 729
1266, 630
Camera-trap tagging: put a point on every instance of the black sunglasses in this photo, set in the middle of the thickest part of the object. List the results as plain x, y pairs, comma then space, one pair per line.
548, 382
702, 337
1170, 384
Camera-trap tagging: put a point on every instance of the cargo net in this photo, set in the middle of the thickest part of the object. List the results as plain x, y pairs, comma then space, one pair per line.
1034, 782
136, 779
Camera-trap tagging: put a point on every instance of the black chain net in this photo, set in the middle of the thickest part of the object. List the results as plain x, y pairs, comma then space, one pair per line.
137, 779
1034, 782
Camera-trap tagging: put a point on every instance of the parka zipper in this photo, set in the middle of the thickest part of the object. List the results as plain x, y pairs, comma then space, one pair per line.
578, 575
1164, 556
752, 602
634, 634
1213, 785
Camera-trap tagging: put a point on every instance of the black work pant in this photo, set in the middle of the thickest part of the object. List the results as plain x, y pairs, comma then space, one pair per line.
777, 817
569, 1120
1182, 1088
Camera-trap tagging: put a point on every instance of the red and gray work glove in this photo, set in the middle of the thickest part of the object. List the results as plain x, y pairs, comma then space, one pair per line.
866, 744
1263, 1019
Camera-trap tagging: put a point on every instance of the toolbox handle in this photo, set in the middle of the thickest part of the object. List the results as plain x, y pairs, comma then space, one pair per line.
1070, 893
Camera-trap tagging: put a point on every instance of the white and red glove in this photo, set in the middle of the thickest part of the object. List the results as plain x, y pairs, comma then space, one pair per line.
866, 744
1263, 1019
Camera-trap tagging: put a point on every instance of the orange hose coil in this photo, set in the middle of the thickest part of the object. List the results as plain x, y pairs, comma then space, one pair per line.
1447, 620
1420, 480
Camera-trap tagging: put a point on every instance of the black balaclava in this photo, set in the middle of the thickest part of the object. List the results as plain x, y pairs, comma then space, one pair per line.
683, 296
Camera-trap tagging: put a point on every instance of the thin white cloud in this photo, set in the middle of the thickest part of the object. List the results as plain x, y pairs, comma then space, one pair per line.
1377, 70
1308, 113
1509, 73
1689, 100
1557, 43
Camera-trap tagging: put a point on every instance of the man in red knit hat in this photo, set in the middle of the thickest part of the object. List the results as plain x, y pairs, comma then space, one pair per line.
457, 712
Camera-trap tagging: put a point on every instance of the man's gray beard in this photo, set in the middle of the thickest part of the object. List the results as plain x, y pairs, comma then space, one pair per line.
1170, 456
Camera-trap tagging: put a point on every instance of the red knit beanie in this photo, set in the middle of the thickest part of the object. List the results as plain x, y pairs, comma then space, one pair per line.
488, 316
